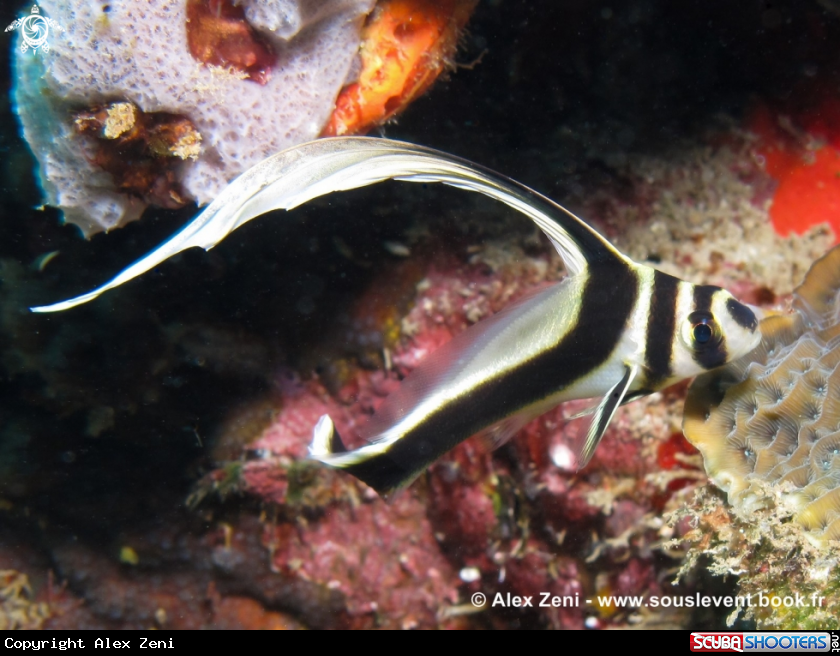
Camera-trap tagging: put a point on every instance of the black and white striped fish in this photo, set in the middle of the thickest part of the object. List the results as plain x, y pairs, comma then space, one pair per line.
613, 330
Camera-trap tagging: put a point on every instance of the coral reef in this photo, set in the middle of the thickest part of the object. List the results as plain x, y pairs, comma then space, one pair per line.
712, 223
772, 417
142, 152
767, 428
204, 378
17, 609
242, 107
786, 582
181, 576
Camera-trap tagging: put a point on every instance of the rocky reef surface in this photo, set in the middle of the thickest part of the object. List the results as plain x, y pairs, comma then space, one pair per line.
152, 444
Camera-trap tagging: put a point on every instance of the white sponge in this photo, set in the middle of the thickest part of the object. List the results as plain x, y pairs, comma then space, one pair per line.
136, 50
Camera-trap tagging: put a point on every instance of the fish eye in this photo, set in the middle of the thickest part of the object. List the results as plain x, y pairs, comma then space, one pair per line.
704, 329
702, 333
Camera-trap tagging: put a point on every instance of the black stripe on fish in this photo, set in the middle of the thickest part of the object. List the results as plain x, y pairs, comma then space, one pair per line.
608, 300
382, 473
335, 444
741, 314
703, 295
713, 354
632, 396
661, 327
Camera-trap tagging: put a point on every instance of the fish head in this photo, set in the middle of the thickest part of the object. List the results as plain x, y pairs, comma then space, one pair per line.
713, 328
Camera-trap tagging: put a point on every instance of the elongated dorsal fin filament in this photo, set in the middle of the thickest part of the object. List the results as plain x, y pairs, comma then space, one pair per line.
308, 171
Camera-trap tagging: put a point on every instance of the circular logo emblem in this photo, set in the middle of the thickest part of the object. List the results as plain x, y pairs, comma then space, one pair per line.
35, 30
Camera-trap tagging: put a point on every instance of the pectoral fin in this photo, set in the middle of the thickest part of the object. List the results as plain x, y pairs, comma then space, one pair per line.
602, 416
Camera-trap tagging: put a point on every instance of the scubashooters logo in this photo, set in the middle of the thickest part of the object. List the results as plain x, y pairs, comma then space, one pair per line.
717, 642
34, 30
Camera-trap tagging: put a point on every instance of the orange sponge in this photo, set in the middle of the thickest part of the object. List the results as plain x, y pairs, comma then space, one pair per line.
406, 44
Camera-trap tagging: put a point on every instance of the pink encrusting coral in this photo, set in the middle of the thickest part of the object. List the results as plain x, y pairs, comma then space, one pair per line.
384, 559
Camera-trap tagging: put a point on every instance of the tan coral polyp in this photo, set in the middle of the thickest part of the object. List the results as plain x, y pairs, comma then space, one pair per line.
774, 416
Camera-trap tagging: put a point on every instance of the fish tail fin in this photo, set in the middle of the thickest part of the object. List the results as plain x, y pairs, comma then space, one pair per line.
370, 464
